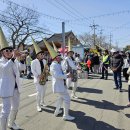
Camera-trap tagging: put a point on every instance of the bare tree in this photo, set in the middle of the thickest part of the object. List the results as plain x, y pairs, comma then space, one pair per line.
88, 39
21, 23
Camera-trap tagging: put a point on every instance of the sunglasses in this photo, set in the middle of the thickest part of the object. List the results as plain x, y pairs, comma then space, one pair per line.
8, 50
41, 53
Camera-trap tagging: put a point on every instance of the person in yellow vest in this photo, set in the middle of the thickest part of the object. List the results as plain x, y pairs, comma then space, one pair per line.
37, 67
105, 64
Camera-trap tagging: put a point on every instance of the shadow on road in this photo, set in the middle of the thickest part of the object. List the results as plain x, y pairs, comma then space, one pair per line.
84, 122
101, 105
93, 76
49, 109
127, 115
89, 90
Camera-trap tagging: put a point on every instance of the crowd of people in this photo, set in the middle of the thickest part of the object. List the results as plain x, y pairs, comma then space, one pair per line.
64, 70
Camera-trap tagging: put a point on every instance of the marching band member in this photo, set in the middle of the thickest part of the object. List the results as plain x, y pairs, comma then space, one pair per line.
70, 67
9, 85
58, 85
37, 67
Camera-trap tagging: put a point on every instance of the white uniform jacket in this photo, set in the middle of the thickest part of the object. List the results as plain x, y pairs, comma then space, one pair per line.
71, 64
9, 74
36, 69
57, 78
21, 67
128, 72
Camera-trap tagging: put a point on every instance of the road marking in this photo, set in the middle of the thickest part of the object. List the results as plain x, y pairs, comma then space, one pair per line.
31, 95
0, 105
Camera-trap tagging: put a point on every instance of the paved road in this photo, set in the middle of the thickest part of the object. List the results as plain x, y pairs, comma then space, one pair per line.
99, 107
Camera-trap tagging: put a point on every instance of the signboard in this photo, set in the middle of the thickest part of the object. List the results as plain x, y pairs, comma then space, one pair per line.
79, 50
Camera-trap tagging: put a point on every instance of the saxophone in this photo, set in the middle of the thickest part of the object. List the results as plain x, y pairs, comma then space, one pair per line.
44, 75
73, 72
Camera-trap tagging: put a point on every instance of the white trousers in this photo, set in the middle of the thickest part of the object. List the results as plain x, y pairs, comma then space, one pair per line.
64, 98
41, 89
74, 85
9, 105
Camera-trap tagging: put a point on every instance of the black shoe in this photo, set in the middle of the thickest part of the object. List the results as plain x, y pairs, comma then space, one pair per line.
29, 77
102, 78
116, 88
121, 90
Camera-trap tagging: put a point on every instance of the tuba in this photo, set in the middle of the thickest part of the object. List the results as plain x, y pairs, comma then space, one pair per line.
44, 75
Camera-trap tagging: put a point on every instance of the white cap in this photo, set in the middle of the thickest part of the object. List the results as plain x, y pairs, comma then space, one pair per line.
113, 50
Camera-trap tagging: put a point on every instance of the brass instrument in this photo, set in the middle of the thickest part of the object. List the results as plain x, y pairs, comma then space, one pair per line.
73, 72
44, 75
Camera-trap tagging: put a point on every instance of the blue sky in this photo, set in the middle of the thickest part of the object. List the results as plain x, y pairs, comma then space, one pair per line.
76, 11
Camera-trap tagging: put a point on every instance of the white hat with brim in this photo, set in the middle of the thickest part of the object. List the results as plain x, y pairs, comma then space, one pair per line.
113, 50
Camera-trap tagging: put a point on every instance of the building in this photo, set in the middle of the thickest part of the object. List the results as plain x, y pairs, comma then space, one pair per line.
57, 39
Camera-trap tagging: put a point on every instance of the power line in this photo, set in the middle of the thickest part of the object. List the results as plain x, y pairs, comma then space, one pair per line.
72, 28
73, 13
103, 15
65, 9
60, 9
45, 15
3, 12
116, 28
76, 10
69, 8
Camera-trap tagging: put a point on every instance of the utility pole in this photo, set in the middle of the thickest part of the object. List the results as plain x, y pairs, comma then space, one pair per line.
94, 27
63, 37
101, 37
110, 40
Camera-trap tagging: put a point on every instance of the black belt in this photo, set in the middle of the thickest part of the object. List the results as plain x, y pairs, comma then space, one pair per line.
16, 86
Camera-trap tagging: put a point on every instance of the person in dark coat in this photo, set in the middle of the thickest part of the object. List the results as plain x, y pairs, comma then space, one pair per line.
116, 66
96, 63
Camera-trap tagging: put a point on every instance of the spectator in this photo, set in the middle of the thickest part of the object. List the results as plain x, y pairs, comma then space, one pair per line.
128, 72
28, 64
105, 64
125, 68
116, 66
96, 63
